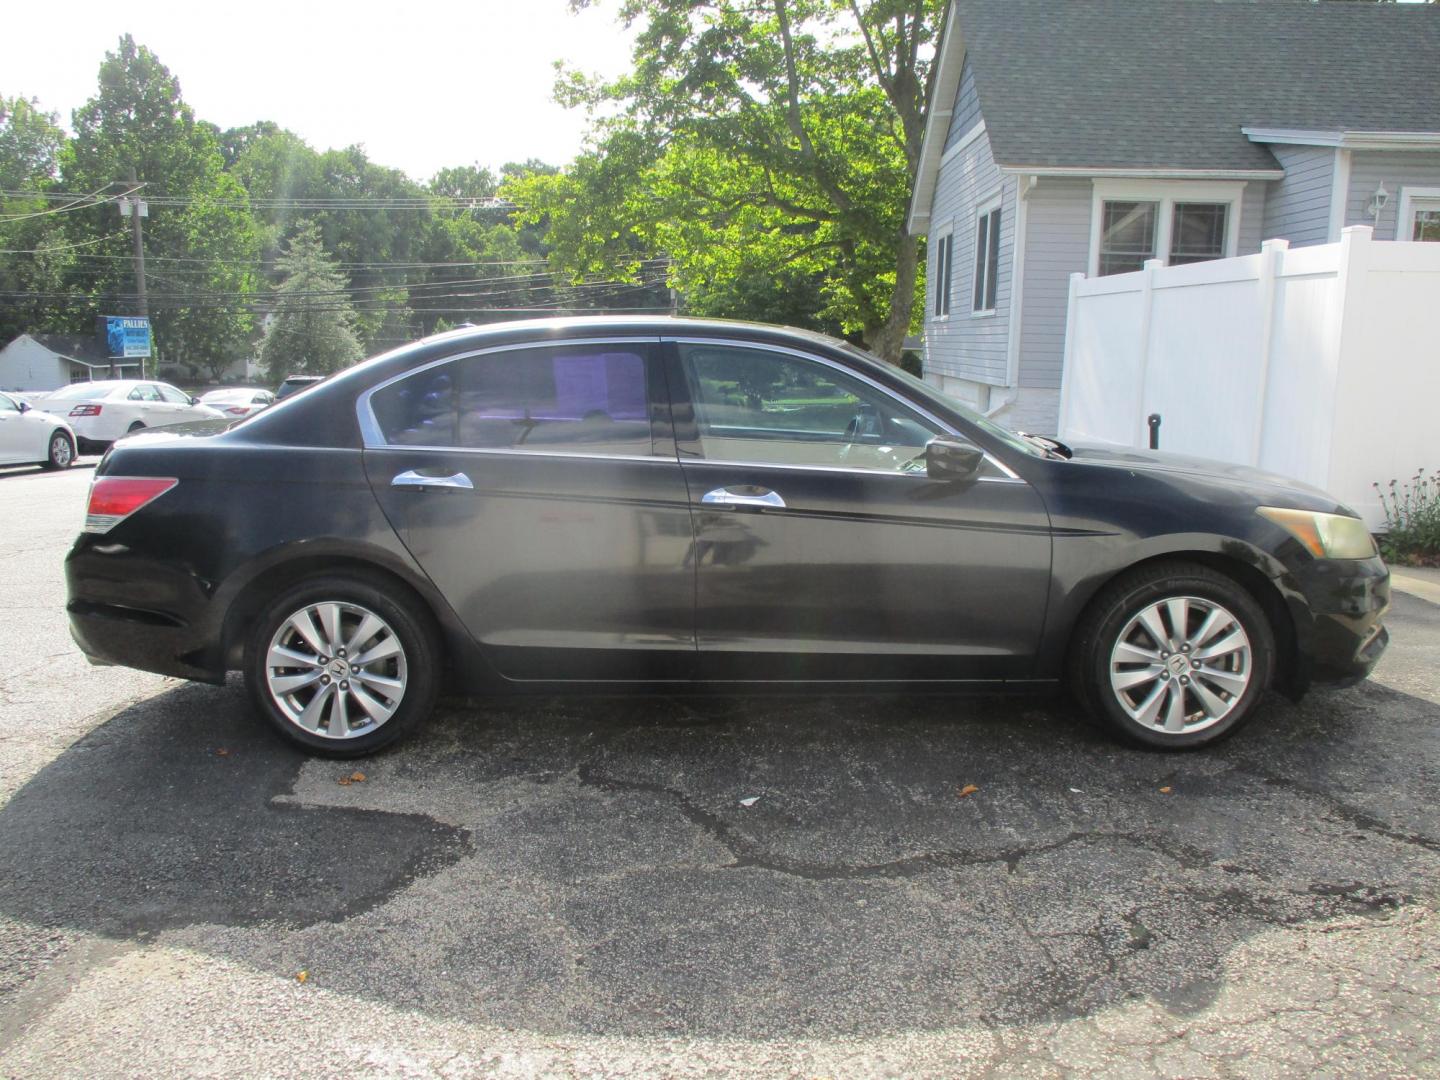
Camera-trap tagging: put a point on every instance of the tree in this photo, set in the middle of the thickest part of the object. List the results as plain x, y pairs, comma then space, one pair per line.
199, 234
778, 137
34, 255
312, 330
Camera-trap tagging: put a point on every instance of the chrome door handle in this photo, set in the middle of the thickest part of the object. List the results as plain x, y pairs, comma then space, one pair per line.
756, 498
459, 481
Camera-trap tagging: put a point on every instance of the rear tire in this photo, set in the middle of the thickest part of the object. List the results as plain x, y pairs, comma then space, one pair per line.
62, 452
342, 666
1172, 656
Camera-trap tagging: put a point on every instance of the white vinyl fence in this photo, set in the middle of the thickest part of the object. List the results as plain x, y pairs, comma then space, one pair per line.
1321, 363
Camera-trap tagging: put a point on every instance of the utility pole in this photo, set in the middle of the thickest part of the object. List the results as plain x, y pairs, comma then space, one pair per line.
136, 208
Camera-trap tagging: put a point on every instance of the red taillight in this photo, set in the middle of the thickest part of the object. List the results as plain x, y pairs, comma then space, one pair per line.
85, 410
114, 498
238, 410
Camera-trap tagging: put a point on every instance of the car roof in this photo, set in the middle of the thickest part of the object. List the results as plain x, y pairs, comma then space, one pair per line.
656, 325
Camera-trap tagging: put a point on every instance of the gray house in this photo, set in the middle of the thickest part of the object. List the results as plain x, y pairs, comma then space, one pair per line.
50, 361
1092, 135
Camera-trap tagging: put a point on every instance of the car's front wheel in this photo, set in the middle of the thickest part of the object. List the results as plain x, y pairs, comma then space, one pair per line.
1173, 656
61, 453
343, 666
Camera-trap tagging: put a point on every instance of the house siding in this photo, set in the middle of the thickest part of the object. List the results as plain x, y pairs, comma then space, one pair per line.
962, 345
1403, 169
1297, 208
1057, 227
25, 364
965, 113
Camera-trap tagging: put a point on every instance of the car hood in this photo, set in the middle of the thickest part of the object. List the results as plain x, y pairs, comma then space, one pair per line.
46, 414
1265, 488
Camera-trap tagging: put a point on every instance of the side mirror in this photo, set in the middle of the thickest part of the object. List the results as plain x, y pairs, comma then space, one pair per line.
948, 459
24, 406
194, 400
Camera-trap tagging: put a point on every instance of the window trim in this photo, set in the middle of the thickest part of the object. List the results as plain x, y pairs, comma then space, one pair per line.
1405, 213
993, 205
372, 437
1166, 193
944, 241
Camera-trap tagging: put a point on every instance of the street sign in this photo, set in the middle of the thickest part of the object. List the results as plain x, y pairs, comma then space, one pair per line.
127, 335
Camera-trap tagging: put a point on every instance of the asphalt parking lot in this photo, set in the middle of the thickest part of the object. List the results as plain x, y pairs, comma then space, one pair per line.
578, 886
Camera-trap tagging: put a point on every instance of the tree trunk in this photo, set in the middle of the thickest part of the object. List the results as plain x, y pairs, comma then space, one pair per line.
889, 341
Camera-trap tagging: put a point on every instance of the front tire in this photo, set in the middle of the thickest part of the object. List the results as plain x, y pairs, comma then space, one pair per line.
1173, 656
342, 666
62, 452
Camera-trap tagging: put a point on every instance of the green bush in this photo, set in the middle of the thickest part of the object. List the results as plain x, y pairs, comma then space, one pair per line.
1412, 521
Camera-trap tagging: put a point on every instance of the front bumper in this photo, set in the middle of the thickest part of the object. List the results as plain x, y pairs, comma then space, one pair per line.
1347, 601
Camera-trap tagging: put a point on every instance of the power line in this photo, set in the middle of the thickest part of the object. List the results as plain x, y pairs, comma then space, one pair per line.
80, 202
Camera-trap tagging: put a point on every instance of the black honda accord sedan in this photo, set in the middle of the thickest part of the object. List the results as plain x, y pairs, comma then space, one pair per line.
669, 505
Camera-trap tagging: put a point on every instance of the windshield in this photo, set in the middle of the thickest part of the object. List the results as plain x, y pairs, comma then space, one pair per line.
925, 391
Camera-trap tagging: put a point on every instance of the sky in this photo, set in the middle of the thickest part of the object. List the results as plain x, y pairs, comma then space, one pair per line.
421, 85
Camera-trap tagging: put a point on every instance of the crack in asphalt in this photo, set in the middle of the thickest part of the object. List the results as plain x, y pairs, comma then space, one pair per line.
1351, 815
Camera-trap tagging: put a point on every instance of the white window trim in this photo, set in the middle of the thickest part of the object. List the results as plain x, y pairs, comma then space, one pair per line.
1167, 193
1405, 219
989, 206
947, 230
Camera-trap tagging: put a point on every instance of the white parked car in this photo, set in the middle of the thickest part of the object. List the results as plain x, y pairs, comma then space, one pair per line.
238, 400
108, 409
30, 436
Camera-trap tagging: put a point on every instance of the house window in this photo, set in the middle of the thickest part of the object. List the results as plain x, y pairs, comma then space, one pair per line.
1175, 221
987, 259
944, 254
1127, 236
1419, 217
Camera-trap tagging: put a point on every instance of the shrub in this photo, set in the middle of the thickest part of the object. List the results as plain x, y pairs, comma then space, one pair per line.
1412, 521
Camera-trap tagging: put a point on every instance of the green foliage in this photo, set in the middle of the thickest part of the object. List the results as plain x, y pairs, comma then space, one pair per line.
755, 141
1412, 521
312, 330
138, 121
30, 144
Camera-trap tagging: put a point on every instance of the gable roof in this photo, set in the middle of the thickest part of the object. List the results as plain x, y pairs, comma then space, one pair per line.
1167, 85
84, 348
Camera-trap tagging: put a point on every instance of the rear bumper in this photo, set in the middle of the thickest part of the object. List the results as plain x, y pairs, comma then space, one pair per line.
132, 637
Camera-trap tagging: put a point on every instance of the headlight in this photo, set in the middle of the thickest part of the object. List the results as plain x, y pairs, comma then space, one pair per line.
1326, 536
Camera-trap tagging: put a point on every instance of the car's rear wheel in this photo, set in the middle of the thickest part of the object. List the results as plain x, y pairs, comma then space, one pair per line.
343, 666
1173, 656
62, 452
136, 426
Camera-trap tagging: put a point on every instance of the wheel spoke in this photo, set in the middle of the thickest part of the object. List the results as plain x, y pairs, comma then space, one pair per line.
1128, 680
1231, 642
1175, 709
288, 684
387, 648
305, 627
330, 622
1150, 619
311, 717
281, 657
1178, 609
1127, 653
1229, 681
377, 709
391, 688
339, 716
1150, 707
1211, 702
1217, 620
368, 628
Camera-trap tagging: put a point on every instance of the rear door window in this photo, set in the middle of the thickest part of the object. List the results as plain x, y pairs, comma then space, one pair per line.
586, 397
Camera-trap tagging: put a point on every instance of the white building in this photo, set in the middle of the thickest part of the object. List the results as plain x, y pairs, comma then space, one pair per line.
44, 362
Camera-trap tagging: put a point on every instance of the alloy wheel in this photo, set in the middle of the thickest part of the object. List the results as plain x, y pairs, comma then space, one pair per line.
336, 670
61, 452
1181, 665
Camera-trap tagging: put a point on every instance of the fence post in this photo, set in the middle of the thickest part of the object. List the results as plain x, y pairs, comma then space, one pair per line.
1067, 357
1147, 303
1272, 253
